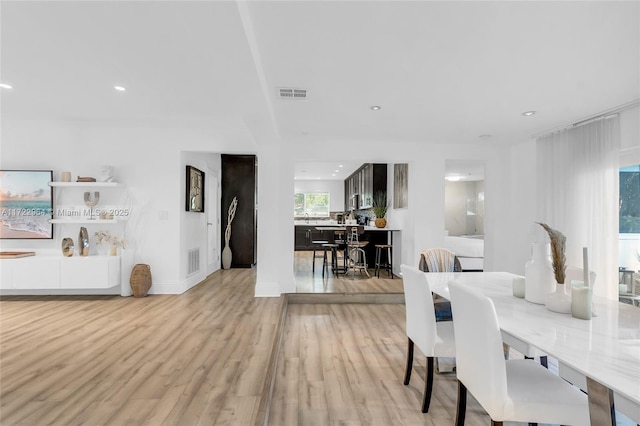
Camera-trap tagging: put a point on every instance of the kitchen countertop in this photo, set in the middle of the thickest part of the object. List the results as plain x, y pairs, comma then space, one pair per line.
341, 227
333, 225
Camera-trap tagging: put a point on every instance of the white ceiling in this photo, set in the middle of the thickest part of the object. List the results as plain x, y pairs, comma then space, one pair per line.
443, 72
324, 170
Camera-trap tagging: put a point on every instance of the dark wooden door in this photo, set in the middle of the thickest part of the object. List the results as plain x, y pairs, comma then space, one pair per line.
239, 179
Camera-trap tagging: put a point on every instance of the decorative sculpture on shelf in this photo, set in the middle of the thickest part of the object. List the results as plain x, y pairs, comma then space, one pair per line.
67, 247
83, 242
114, 241
106, 174
226, 252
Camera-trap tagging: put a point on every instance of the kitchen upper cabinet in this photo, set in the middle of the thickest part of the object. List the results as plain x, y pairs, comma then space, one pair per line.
362, 185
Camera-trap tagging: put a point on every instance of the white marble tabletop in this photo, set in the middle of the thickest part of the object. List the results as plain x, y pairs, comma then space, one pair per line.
605, 348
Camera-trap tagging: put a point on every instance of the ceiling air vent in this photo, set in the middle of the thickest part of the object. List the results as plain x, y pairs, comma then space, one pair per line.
292, 94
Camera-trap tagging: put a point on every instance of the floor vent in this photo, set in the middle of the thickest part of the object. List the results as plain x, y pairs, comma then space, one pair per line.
292, 94
193, 261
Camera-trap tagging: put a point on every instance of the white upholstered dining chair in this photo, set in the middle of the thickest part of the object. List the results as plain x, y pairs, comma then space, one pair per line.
434, 339
516, 390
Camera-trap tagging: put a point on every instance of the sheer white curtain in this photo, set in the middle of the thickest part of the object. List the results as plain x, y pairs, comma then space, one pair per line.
577, 194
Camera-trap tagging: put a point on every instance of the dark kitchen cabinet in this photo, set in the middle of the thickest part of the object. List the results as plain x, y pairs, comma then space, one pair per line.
362, 185
306, 234
239, 179
301, 238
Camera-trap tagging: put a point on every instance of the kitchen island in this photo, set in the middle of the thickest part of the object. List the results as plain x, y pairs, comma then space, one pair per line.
309, 232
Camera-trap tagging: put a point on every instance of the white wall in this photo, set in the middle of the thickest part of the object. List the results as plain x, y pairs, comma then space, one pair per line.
630, 136
335, 188
422, 223
275, 230
510, 203
193, 224
148, 163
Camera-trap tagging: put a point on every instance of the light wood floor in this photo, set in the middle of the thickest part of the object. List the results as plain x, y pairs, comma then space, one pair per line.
343, 364
197, 358
205, 358
309, 282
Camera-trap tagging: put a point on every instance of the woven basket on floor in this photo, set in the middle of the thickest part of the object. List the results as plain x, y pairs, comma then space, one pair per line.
140, 280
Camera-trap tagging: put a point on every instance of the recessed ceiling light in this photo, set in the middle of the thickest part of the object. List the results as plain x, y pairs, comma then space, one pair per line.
376, 107
6, 86
120, 88
340, 165
528, 113
337, 171
333, 174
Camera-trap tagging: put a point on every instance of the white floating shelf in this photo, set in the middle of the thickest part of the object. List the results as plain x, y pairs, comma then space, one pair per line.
83, 221
85, 184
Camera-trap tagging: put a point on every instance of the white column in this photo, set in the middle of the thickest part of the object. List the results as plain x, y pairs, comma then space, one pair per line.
275, 223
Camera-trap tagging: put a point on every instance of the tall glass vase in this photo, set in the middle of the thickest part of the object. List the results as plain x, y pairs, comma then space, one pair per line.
538, 274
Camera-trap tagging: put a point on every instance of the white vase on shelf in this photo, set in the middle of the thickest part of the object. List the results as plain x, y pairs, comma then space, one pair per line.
559, 301
538, 274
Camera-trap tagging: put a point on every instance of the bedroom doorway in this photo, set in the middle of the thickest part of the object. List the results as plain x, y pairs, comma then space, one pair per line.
464, 198
464, 212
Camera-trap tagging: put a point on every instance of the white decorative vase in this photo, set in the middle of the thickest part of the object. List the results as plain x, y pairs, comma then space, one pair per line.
538, 274
226, 256
558, 301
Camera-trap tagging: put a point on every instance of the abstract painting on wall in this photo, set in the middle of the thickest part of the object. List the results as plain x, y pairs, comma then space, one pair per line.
195, 190
400, 186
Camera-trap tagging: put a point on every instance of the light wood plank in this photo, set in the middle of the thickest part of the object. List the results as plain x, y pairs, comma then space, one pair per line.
359, 366
200, 357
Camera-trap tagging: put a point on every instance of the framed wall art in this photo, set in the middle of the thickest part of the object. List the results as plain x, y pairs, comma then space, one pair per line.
26, 204
400, 186
195, 190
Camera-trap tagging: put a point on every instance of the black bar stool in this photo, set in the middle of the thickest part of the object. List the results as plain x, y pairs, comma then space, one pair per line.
340, 240
333, 249
388, 265
317, 246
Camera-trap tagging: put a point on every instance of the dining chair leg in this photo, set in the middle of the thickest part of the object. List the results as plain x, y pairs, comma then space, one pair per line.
544, 361
407, 373
462, 404
494, 423
428, 386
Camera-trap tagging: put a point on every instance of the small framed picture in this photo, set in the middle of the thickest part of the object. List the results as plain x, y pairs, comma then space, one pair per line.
195, 190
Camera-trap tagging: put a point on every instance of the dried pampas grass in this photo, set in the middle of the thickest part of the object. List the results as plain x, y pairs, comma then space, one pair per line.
558, 241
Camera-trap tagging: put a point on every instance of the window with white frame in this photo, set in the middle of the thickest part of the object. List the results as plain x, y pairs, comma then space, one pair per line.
312, 204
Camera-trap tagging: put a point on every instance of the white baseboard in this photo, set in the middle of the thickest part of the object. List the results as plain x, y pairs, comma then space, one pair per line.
267, 290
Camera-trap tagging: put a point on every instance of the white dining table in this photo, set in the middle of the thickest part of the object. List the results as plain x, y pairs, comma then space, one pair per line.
601, 355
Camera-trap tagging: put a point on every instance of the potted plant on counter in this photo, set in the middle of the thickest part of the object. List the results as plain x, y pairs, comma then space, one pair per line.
380, 206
